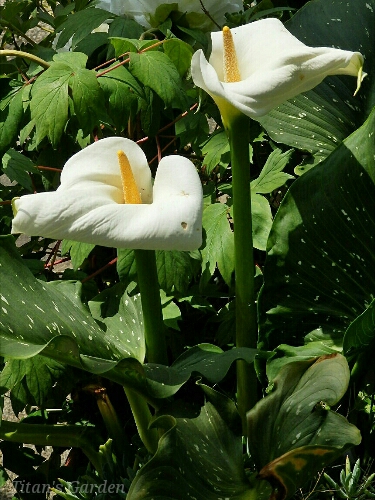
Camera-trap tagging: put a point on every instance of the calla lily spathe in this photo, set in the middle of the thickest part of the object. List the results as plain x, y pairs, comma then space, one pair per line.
273, 65
143, 11
88, 206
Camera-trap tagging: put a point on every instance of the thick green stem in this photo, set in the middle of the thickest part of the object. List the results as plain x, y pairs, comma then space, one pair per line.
156, 347
142, 416
67, 436
25, 55
246, 314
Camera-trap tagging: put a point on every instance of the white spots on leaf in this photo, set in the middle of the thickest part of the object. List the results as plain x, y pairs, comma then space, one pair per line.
4, 299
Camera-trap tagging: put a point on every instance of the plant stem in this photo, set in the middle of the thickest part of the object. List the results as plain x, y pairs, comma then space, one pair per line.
142, 416
25, 55
246, 315
67, 436
156, 347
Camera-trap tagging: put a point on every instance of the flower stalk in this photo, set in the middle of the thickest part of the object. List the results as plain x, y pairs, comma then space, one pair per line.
142, 417
156, 347
246, 314
25, 55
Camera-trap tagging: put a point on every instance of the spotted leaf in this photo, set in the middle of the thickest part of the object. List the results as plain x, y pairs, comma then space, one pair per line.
320, 269
292, 432
199, 457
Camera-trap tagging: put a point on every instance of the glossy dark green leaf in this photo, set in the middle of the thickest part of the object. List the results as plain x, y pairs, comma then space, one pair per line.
199, 456
291, 433
320, 268
320, 119
206, 360
56, 324
361, 332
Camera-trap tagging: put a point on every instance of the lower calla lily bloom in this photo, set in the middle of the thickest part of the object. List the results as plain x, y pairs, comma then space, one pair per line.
106, 197
254, 68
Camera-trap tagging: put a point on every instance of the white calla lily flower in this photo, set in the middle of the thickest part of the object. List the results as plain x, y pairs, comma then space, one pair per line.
143, 11
256, 67
89, 207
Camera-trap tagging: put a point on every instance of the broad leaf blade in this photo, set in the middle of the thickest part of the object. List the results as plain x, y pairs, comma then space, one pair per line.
198, 457
291, 433
156, 70
49, 102
320, 268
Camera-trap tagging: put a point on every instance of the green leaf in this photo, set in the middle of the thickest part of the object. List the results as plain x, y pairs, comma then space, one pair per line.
121, 27
271, 176
11, 112
199, 456
17, 168
219, 243
155, 70
171, 311
37, 374
261, 220
192, 129
124, 45
320, 268
285, 354
80, 24
49, 102
175, 270
291, 434
122, 316
56, 324
125, 265
120, 90
88, 99
361, 331
320, 119
216, 150
76, 60
205, 360
180, 53
78, 251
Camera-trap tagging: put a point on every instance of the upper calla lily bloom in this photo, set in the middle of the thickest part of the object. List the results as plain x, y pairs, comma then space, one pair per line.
254, 68
106, 197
